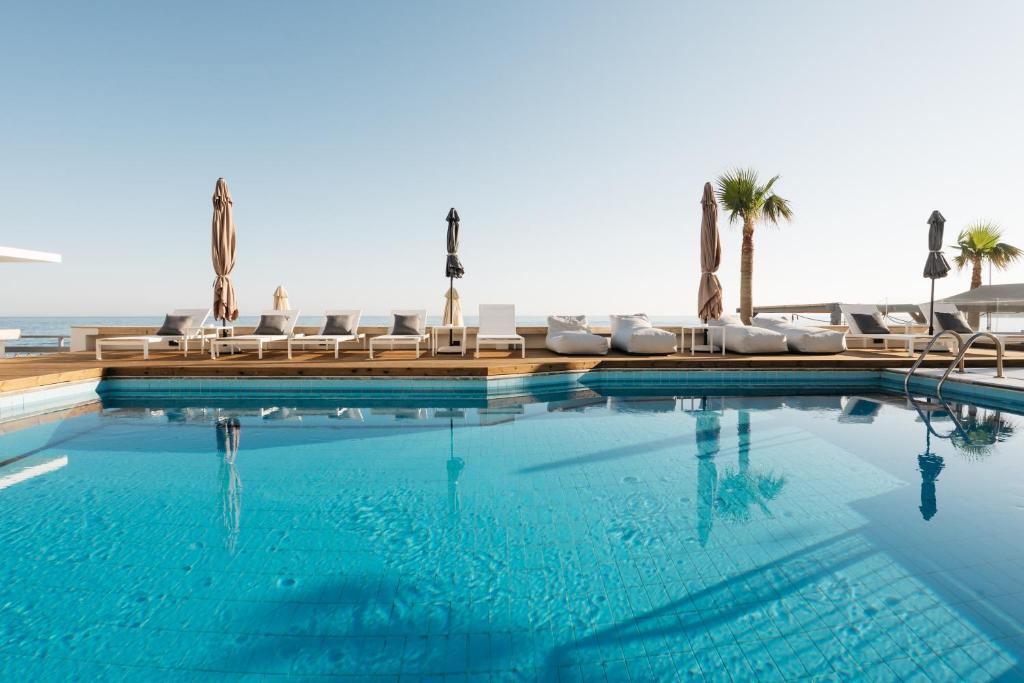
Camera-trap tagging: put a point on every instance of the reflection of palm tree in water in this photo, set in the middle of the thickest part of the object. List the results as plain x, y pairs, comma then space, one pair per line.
229, 431
744, 489
978, 436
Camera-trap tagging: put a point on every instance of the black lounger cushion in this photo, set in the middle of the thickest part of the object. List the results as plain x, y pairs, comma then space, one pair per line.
954, 322
870, 323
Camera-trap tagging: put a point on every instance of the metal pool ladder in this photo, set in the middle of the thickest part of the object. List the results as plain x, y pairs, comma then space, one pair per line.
963, 348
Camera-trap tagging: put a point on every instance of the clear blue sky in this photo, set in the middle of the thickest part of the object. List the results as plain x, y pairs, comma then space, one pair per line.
574, 139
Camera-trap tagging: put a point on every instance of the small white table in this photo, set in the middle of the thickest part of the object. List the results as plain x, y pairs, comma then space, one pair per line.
458, 331
693, 329
211, 332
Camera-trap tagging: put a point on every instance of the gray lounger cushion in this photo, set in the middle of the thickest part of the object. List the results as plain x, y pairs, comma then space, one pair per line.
340, 324
635, 334
746, 339
805, 339
175, 326
271, 325
570, 335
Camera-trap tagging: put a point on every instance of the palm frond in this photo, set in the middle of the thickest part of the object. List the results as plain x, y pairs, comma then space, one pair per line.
776, 208
980, 241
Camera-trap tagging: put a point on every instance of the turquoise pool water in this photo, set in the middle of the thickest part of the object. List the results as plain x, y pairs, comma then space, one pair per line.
616, 535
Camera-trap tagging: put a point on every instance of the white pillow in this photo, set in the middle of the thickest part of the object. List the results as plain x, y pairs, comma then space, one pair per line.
623, 327
727, 319
567, 323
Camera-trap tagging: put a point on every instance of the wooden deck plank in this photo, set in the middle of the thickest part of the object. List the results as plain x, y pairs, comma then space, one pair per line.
35, 371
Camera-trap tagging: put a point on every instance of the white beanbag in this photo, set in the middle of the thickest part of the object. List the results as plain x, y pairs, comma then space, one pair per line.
740, 338
805, 339
635, 334
570, 335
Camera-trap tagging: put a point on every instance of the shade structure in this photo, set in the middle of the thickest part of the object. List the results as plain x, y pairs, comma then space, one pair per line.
281, 299
709, 295
452, 308
15, 255
936, 266
225, 306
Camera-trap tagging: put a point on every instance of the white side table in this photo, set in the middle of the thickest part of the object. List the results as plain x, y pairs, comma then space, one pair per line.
212, 332
694, 329
456, 332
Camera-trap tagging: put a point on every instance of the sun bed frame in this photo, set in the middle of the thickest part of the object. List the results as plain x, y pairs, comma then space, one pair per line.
256, 341
1005, 337
326, 341
192, 333
391, 340
906, 339
498, 327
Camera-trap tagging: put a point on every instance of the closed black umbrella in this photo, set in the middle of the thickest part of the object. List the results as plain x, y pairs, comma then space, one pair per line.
453, 267
936, 266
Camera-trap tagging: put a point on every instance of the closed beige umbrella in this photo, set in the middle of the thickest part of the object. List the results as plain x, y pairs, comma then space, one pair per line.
225, 306
452, 308
281, 299
709, 296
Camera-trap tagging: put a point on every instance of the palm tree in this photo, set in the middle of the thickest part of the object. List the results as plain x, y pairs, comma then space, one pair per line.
980, 242
745, 198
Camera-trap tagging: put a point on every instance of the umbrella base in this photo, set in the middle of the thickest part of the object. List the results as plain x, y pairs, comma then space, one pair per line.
450, 348
706, 348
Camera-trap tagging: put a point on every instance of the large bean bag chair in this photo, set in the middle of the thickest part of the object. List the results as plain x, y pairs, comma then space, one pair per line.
635, 334
740, 338
803, 338
571, 335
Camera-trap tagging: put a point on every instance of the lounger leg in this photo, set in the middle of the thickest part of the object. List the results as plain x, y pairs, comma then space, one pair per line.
289, 350
524, 349
185, 344
259, 350
145, 350
371, 350
99, 351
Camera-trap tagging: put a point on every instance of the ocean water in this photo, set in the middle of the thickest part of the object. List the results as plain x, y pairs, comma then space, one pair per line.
594, 535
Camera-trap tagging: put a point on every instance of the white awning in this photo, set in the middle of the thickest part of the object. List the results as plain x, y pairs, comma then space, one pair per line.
13, 255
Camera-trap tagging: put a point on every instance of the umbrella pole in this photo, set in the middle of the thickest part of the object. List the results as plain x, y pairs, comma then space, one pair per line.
451, 311
931, 311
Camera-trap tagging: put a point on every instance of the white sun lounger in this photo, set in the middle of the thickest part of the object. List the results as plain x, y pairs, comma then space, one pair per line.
855, 333
1004, 337
498, 327
194, 332
326, 341
257, 341
391, 340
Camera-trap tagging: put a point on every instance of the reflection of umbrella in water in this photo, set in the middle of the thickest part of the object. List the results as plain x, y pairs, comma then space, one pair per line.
708, 435
454, 466
930, 465
741, 490
229, 431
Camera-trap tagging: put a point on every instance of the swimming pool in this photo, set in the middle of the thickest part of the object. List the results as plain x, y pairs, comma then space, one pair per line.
580, 533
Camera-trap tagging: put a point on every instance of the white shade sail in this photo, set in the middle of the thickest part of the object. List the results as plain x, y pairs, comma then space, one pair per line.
13, 255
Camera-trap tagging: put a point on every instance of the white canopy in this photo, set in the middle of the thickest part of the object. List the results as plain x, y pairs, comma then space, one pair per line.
13, 255
1008, 298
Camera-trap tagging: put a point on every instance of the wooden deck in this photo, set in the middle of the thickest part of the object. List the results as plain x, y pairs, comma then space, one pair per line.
28, 372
